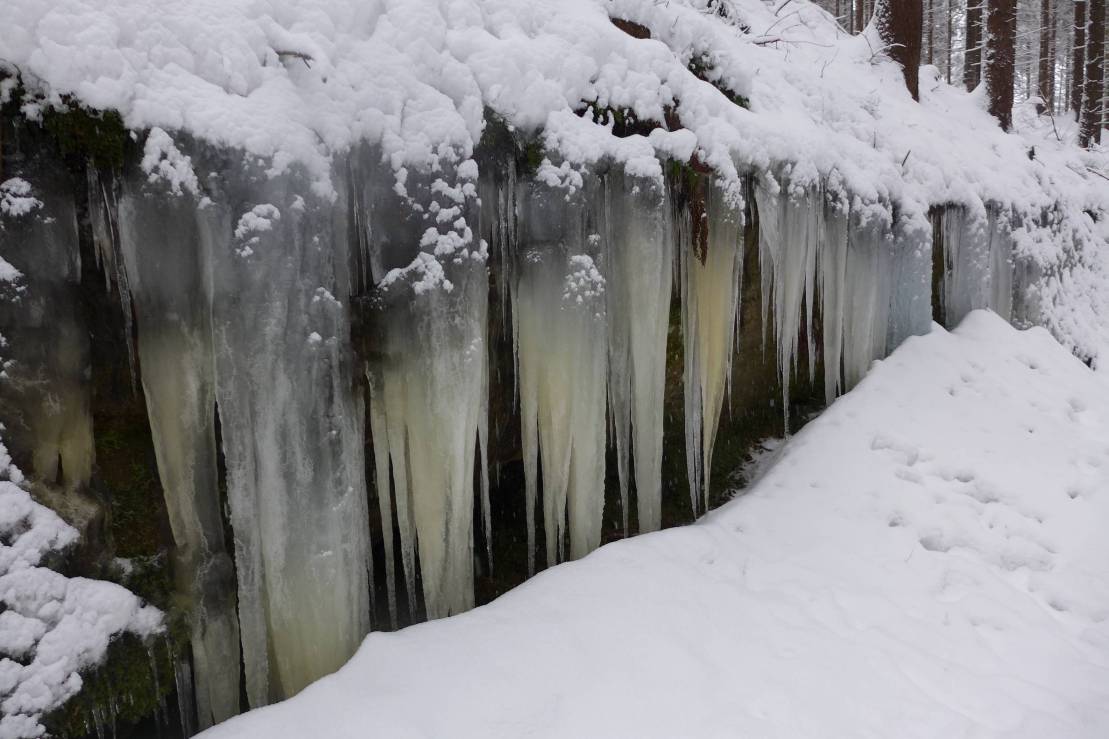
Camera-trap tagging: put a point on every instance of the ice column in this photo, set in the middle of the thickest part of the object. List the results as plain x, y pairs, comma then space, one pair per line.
169, 286
711, 278
866, 313
978, 262
818, 248
910, 281
560, 330
640, 265
428, 402
45, 395
291, 422
790, 232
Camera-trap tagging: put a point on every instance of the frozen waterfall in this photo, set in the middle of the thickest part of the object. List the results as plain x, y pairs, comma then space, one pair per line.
169, 283
640, 266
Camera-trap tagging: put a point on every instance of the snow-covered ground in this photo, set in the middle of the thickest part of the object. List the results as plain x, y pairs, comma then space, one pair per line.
51, 627
928, 558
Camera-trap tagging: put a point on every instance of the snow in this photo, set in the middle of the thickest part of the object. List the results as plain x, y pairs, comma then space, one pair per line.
16, 198
926, 558
51, 627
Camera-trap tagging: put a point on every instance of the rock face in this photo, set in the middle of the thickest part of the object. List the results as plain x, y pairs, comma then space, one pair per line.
549, 272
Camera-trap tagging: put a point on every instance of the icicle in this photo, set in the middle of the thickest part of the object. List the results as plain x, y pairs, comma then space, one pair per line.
832, 265
376, 411
640, 265
911, 281
1002, 269
103, 216
561, 348
710, 317
867, 306
291, 425
428, 400
790, 228
160, 246
183, 677
497, 188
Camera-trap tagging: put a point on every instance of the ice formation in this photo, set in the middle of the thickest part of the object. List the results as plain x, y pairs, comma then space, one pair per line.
711, 274
640, 266
428, 375
978, 262
332, 213
169, 284
44, 396
561, 337
839, 274
51, 627
291, 423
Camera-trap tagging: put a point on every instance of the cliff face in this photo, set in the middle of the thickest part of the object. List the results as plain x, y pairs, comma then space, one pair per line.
339, 318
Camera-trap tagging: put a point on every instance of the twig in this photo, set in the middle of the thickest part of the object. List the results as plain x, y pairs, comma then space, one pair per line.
779, 10
910, 151
789, 15
1053, 128
296, 55
1099, 174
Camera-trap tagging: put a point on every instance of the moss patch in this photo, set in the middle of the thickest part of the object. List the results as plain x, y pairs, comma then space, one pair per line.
130, 685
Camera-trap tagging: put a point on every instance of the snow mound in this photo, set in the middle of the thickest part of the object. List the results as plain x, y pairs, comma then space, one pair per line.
51, 626
927, 558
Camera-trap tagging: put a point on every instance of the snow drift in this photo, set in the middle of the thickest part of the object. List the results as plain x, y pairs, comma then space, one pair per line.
927, 558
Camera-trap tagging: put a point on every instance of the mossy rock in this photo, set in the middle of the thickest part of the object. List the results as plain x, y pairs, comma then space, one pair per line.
130, 685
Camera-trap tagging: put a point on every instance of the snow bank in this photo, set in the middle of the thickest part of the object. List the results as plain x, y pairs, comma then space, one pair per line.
51, 626
927, 558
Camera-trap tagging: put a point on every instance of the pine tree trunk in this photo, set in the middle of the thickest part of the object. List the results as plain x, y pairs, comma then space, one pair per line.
1001, 51
859, 16
1047, 62
949, 41
929, 19
1052, 56
1078, 63
1095, 75
900, 25
972, 58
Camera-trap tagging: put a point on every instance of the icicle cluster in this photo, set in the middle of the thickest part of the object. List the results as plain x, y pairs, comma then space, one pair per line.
641, 265
560, 332
168, 278
428, 396
826, 258
712, 274
978, 262
240, 301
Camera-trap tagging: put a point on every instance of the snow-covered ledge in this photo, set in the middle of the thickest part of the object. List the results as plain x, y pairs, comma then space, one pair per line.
927, 558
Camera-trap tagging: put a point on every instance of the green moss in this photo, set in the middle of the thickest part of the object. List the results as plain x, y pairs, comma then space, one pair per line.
75, 131
129, 686
97, 136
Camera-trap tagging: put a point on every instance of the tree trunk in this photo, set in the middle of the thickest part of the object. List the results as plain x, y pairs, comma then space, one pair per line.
1052, 54
1090, 132
972, 57
859, 16
1047, 61
930, 20
1078, 63
1001, 52
900, 23
949, 41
